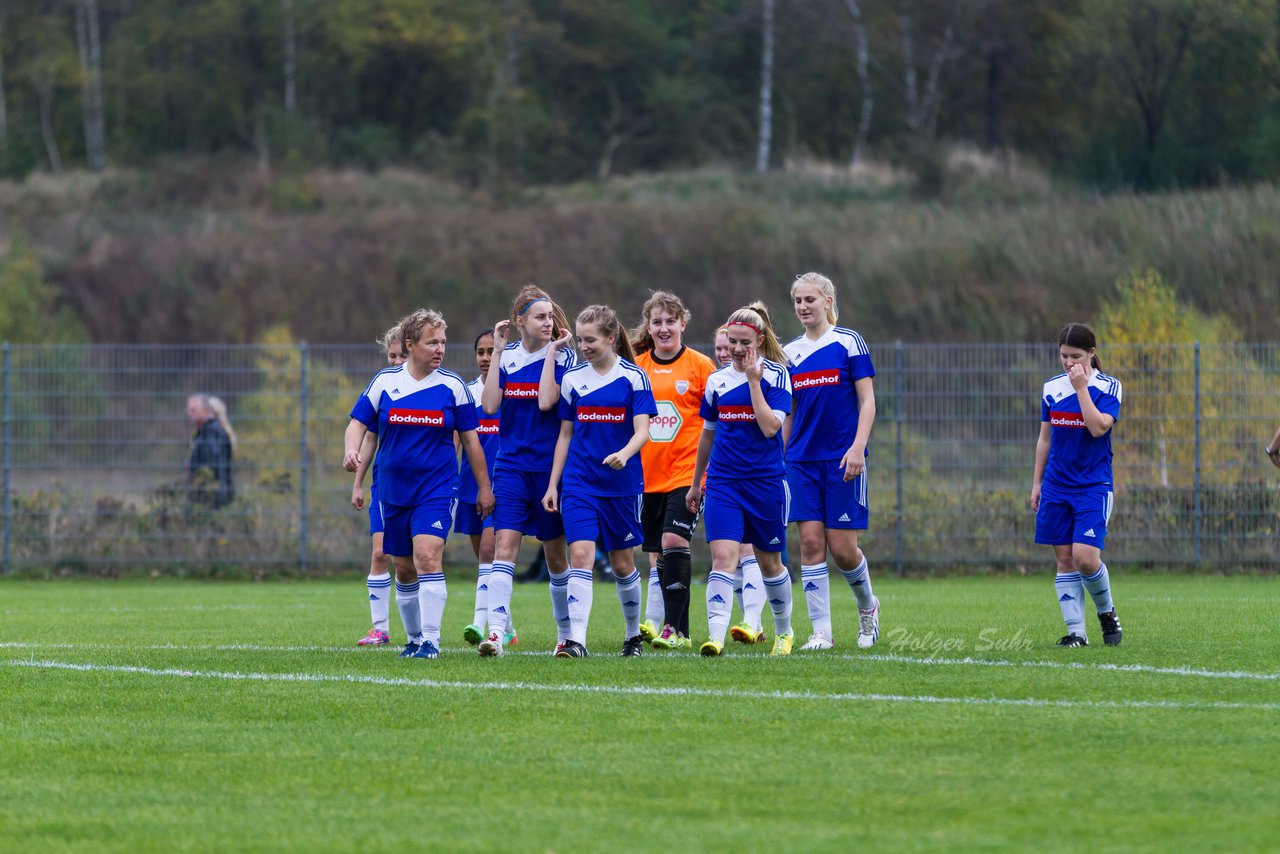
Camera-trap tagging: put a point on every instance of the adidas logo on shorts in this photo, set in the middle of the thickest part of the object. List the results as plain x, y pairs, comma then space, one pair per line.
628, 538
436, 524
1090, 533
774, 541
844, 517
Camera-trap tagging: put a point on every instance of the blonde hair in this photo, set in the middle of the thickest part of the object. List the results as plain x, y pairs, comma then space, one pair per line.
393, 334
411, 326
606, 319
530, 294
641, 340
756, 316
825, 287
219, 410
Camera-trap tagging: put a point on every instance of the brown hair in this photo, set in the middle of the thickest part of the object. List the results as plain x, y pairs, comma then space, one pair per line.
606, 319
530, 294
1082, 337
825, 287
641, 340
756, 316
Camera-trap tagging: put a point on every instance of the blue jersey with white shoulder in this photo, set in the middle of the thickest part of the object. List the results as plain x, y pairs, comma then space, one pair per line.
1078, 460
415, 420
741, 451
487, 431
528, 435
824, 420
602, 408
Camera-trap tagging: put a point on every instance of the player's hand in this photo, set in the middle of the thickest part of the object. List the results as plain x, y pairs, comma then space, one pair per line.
1079, 377
357, 498
854, 462
565, 340
693, 499
616, 461
551, 501
1035, 497
500, 330
351, 460
485, 502
754, 367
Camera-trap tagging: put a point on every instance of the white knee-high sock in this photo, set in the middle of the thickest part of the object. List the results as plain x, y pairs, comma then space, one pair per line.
655, 611
1070, 589
719, 604
779, 592
753, 593
379, 587
501, 576
1099, 587
432, 594
629, 596
817, 595
481, 614
410, 614
560, 604
581, 589
859, 579
737, 588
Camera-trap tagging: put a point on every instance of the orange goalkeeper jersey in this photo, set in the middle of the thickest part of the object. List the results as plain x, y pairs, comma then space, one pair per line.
678, 385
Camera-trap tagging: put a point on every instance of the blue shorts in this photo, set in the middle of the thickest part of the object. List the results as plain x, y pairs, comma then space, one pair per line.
613, 522
1073, 517
375, 515
819, 493
467, 521
519, 496
402, 524
747, 511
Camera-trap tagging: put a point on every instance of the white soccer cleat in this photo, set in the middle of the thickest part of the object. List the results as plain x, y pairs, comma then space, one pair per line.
492, 645
818, 640
869, 626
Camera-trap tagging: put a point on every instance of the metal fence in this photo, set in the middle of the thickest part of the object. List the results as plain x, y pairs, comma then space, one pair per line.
95, 441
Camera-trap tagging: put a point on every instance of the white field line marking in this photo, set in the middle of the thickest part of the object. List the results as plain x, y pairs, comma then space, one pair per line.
900, 659
643, 690
149, 610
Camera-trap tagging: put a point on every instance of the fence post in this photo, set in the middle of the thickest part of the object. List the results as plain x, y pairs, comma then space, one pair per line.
1199, 509
897, 396
8, 510
302, 453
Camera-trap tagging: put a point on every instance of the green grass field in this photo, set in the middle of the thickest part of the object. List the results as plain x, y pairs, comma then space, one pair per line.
204, 716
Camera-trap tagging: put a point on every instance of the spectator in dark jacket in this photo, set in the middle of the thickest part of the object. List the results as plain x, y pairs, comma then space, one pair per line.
212, 450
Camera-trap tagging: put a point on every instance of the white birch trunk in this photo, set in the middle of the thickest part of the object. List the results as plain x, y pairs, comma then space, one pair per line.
864, 79
89, 43
290, 59
766, 91
44, 93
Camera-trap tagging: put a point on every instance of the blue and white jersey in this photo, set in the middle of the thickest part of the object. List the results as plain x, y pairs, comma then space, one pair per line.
415, 420
528, 434
824, 421
602, 409
1078, 460
487, 432
741, 451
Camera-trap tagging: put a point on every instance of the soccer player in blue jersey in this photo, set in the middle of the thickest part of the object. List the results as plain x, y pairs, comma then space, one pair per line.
379, 582
605, 407
740, 453
527, 387
415, 409
1071, 487
827, 433
466, 519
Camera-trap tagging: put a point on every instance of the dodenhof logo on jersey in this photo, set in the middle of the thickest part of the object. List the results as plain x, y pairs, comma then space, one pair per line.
488, 427
737, 413
1066, 419
814, 379
601, 414
416, 417
664, 426
524, 391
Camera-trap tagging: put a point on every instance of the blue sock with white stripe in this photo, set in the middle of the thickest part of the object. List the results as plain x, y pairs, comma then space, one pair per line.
581, 589
778, 589
1070, 589
410, 615
432, 595
629, 596
719, 604
501, 576
859, 579
655, 610
379, 587
481, 613
816, 582
752, 591
1099, 587
560, 604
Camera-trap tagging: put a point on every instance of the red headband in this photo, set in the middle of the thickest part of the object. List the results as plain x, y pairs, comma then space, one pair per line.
750, 326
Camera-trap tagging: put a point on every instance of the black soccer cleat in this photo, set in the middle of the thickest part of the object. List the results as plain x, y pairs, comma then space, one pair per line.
1111, 631
633, 647
572, 649
1072, 640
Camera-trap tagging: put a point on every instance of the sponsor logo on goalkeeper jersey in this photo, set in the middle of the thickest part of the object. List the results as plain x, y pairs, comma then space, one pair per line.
736, 413
602, 414
815, 379
416, 417
1066, 419
522, 391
